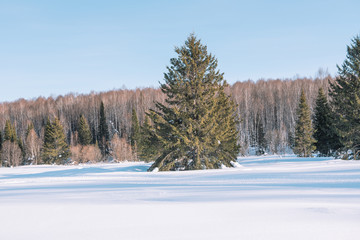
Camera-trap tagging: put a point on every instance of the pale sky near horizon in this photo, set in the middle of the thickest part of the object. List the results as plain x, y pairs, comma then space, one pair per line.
56, 47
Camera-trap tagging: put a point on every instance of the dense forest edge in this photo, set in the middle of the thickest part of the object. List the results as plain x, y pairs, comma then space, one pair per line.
110, 126
266, 108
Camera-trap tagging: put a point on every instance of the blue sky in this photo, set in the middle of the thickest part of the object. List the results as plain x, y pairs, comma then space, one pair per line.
56, 47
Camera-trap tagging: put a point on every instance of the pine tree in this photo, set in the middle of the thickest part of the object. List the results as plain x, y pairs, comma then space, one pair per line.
291, 139
304, 141
10, 135
147, 149
135, 133
21, 146
103, 132
48, 146
55, 148
135, 128
327, 140
9, 132
345, 93
84, 131
196, 129
260, 137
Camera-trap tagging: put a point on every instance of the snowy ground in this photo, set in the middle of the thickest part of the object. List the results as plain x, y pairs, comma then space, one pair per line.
268, 197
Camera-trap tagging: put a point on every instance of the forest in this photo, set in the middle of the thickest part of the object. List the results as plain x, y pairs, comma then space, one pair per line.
265, 107
195, 114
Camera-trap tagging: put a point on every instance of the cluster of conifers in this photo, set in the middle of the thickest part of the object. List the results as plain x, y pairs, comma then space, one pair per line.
337, 121
54, 149
197, 127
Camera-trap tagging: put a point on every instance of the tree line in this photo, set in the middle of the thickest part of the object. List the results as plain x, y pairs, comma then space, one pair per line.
119, 124
336, 120
266, 110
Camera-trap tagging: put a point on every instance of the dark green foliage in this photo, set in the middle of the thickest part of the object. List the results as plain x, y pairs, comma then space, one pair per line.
345, 93
55, 149
196, 129
9, 132
226, 133
94, 137
135, 132
327, 141
304, 141
260, 137
103, 132
148, 148
85, 136
10, 135
291, 139
21, 146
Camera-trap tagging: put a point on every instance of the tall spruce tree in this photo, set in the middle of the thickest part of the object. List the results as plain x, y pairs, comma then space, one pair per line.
103, 132
196, 129
327, 140
85, 136
55, 148
345, 93
304, 141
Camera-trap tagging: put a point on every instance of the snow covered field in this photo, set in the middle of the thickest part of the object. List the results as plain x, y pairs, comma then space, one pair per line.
268, 197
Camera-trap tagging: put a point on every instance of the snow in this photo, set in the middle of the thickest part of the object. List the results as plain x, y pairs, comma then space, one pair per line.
235, 164
270, 197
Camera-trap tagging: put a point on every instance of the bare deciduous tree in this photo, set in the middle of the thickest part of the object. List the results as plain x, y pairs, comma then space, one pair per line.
33, 148
85, 154
11, 154
121, 149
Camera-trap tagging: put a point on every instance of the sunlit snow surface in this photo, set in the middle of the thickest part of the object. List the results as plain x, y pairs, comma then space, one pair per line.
270, 197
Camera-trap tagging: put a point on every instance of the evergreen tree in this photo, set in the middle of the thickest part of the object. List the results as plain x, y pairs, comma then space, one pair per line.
291, 139
304, 141
196, 129
260, 137
103, 132
10, 135
84, 131
345, 93
327, 141
135, 133
148, 147
48, 148
9, 132
21, 146
55, 148
135, 128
